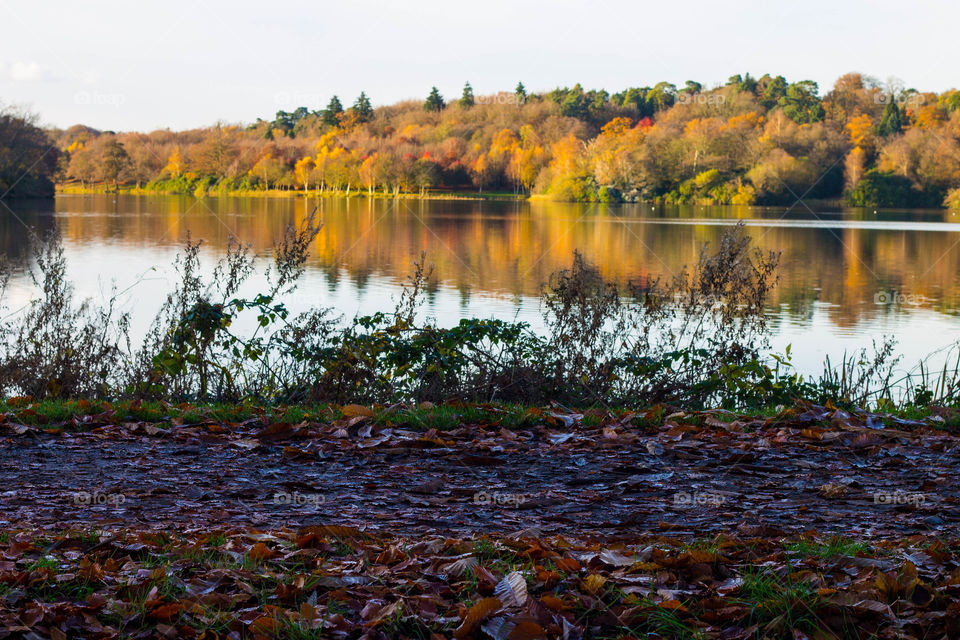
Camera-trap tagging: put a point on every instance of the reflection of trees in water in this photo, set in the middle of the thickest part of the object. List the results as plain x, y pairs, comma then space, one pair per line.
14, 240
331, 274
464, 292
510, 248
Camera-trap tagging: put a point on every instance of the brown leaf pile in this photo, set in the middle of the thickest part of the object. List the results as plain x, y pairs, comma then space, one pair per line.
340, 582
200, 529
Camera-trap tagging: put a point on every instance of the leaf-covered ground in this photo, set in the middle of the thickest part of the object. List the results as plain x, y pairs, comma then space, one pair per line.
357, 523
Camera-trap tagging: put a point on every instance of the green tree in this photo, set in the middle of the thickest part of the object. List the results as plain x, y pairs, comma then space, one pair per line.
434, 101
891, 122
283, 121
634, 97
299, 114
362, 109
771, 90
573, 102
466, 100
950, 100
662, 96
880, 189
521, 93
801, 103
331, 115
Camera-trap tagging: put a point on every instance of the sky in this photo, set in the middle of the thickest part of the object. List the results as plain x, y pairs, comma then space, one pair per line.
141, 65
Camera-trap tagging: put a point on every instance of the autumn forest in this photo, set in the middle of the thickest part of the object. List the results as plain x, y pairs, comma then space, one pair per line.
751, 141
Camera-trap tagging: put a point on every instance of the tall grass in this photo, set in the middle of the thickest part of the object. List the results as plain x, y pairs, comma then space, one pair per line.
696, 340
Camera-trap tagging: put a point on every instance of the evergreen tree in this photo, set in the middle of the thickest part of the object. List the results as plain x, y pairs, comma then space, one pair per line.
891, 121
466, 100
331, 115
773, 89
521, 93
299, 114
573, 103
362, 108
284, 122
434, 101
801, 103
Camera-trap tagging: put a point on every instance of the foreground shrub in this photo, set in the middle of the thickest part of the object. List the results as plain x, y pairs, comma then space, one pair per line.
696, 339
56, 346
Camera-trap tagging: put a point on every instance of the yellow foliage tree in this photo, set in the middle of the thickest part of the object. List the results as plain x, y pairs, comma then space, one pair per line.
368, 172
853, 168
175, 164
860, 129
302, 170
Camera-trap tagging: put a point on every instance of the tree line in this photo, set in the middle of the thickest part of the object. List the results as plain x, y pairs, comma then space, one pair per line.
28, 156
750, 141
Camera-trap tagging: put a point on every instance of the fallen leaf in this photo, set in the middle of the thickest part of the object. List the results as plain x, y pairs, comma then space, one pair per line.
483, 609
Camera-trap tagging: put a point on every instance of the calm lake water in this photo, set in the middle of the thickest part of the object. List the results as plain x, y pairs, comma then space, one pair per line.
847, 277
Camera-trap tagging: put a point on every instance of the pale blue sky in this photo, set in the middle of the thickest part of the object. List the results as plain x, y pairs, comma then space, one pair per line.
183, 63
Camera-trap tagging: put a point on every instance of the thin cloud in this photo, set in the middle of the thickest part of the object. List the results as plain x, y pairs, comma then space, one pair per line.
21, 71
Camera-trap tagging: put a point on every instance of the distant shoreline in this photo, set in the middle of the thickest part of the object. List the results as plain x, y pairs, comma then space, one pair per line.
430, 195
297, 193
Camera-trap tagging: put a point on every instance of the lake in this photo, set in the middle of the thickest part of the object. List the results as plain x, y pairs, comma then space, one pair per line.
847, 276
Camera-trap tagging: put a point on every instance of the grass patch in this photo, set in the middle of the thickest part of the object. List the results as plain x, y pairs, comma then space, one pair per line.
779, 604
81, 415
830, 548
665, 623
44, 563
451, 416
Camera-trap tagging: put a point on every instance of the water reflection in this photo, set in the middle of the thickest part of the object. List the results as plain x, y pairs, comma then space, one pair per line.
846, 276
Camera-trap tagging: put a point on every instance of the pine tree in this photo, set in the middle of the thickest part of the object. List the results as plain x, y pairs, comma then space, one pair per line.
521, 93
434, 101
890, 122
467, 100
331, 115
362, 108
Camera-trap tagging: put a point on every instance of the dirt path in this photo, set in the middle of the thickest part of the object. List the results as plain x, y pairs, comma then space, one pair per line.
606, 480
